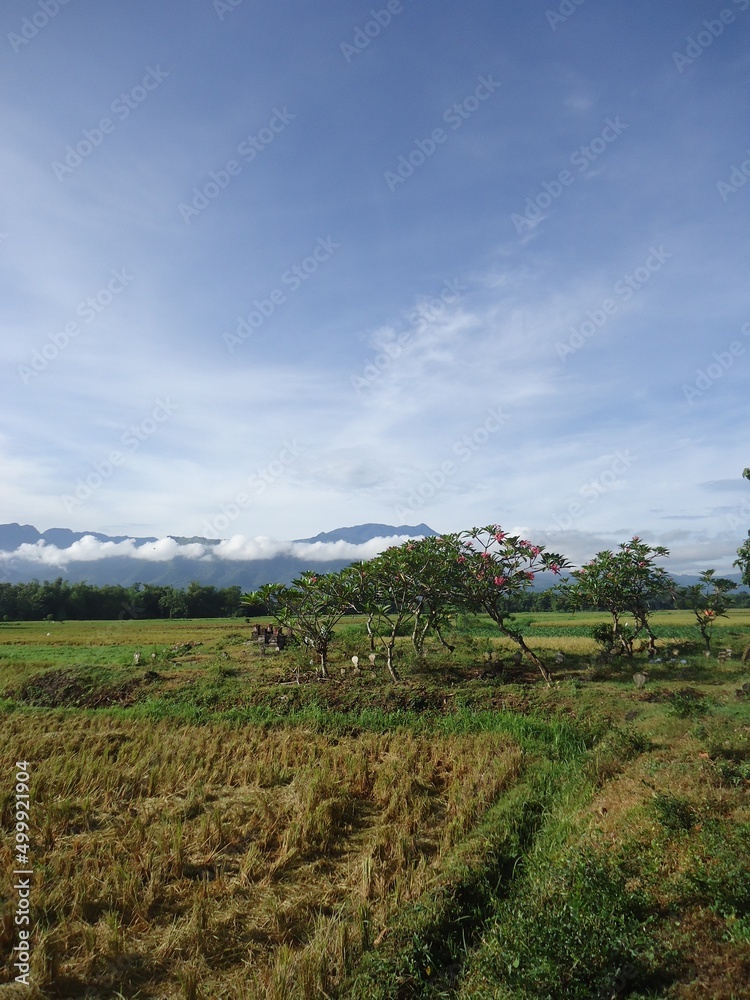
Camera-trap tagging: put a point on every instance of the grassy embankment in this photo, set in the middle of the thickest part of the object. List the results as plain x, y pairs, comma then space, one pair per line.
206, 827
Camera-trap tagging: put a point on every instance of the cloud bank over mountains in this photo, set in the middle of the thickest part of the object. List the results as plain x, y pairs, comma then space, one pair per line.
237, 548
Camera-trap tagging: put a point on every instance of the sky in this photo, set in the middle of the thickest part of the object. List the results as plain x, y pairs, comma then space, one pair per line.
271, 269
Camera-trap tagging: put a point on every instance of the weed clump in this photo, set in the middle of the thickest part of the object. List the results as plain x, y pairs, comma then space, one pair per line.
688, 703
673, 813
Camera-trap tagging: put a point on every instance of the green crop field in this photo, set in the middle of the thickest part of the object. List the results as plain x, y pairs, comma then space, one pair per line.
209, 822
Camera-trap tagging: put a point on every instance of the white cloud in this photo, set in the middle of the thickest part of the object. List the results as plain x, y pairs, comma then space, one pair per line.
236, 548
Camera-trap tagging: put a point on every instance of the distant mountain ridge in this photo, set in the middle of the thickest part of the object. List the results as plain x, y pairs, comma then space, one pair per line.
13, 535
360, 533
180, 571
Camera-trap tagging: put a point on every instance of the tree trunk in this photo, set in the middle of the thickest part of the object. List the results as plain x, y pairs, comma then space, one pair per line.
371, 634
447, 645
323, 654
418, 636
533, 657
389, 660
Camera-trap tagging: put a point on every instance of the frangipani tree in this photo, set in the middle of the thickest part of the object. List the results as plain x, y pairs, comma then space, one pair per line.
310, 608
431, 566
622, 583
743, 552
708, 600
383, 589
495, 567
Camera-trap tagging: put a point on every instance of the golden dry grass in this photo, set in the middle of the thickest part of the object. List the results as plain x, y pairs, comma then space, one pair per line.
216, 862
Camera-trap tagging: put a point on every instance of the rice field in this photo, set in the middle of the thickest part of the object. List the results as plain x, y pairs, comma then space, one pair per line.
211, 823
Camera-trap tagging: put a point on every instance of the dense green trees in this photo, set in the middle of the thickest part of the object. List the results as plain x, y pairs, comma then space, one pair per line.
61, 600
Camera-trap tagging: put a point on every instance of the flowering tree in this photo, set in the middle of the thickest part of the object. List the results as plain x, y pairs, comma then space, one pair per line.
624, 582
708, 600
495, 567
310, 608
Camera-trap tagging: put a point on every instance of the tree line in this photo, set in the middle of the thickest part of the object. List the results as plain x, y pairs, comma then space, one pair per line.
60, 600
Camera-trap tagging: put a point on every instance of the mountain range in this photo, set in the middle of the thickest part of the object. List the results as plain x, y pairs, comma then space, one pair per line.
182, 569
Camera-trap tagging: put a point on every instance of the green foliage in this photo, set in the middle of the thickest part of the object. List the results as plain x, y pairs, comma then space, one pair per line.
673, 812
411, 585
603, 635
743, 560
743, 553
687, 703
719, 874
311, 608
569, 929
708, 600
60, 600
624, 582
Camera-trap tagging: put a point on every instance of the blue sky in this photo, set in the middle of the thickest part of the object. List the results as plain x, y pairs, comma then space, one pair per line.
272, 269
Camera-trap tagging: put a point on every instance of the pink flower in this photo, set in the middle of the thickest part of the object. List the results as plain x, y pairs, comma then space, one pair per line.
486, 555
535, 550
529, 576
555, 569
461, 559
500, 536
499, 580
